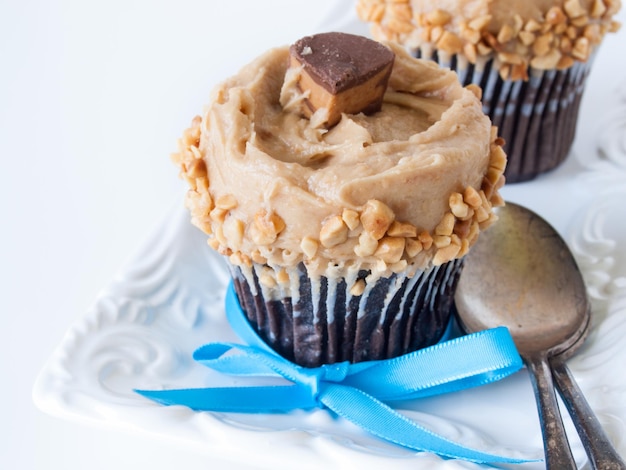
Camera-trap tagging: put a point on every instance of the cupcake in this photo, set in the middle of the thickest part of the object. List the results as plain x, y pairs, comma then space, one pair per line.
531, 59
343, 180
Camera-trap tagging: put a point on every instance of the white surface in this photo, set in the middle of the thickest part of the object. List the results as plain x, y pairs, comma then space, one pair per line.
92, 98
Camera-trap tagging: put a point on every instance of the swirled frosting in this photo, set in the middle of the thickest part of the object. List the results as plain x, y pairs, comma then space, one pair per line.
410, 185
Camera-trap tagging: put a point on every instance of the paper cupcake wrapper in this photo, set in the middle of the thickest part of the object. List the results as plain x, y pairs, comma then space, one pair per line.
536, 118
315, 321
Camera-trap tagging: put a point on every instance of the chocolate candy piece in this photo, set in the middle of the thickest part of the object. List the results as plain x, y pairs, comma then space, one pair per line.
343, 73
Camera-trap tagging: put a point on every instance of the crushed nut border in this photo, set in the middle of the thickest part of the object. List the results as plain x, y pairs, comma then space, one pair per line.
391, 243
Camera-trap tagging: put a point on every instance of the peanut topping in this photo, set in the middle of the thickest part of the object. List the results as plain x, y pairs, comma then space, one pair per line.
266, 227
226, 202
445, 254
358, 288
506, 34
367, 245
555, 16
309, 247
450, 43
480, 23
446, 225
598, 9
376, 218
413, 247
580, 50
426, 240
458, 207
574, 9
233, 230
390, 249
472, 198
351, 218
334, 231
399, 229
438, 17
515, 43
441, 241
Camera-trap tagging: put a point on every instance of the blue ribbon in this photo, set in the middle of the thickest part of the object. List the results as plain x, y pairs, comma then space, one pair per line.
356, 392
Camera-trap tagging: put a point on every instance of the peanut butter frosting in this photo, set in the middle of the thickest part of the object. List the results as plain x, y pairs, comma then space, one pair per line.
542, 34
402, 189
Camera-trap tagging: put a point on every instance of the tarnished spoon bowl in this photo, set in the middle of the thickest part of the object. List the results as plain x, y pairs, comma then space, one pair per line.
521, 274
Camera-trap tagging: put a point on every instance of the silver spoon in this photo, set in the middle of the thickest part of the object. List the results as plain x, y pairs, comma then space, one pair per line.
597, 444
521, 274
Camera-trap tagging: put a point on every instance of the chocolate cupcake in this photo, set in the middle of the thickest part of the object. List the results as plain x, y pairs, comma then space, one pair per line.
531, 59
344, 181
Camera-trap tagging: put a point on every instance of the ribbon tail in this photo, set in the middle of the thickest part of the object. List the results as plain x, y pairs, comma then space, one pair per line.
458, 364
267, 399
382, 421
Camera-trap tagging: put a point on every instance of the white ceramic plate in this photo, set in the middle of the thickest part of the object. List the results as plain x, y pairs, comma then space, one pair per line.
168, 300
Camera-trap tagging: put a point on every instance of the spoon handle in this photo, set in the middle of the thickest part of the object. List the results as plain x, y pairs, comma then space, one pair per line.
556, 446
601, 452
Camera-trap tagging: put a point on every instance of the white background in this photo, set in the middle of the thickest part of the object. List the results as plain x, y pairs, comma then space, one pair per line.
93, 95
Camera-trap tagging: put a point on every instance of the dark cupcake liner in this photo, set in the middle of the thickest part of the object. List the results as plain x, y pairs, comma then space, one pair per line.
315, 321
536, 118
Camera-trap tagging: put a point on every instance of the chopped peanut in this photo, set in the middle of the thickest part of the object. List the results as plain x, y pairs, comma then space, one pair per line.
196, 169
526, 37
446, 225
542, 44
506, 33
450, 43
581, 49
497, 158
351, 218
266, 227
445, 254
573, 8
425, 239
480, 23
334, 231
399, 229
376, 218
441, 241
438, 17
532, 26
459, 208
226, 202
309, 246
413, 247
472, 198
357, 288
598, 9
282, 276
233, 229
462, 228
390, 249
555, 16
367, 245
548, 61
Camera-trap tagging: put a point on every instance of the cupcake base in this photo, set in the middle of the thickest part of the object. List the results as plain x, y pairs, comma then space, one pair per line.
536, 118
318, 321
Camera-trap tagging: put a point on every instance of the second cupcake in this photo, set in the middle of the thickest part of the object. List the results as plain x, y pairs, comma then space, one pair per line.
531, 59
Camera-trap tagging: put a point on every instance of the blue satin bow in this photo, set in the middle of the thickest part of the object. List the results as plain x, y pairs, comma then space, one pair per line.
356, 392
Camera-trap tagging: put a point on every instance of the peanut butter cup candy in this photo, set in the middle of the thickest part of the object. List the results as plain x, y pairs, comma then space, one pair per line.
530, 57
344, 181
